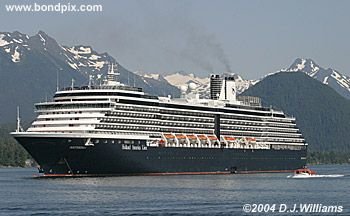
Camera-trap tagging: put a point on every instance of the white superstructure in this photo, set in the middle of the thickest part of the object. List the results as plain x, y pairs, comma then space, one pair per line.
115, 110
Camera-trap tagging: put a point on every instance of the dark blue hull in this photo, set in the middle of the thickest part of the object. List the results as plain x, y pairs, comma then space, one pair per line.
67, 156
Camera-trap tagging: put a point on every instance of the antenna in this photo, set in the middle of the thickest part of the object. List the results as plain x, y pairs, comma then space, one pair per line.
111, 75
19, 127
90, 80
99, 78
58, 79
128, 78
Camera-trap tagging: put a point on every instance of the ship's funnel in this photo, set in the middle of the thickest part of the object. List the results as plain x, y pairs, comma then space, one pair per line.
215, 86
222, 88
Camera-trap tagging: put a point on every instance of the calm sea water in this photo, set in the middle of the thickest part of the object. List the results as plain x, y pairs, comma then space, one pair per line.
21, 194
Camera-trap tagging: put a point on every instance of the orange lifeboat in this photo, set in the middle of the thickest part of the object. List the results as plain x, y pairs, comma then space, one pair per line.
180, 136
202, 137
211, 137
191, 136
169, 136
228, 138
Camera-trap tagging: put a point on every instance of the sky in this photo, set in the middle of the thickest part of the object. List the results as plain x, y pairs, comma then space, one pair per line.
248, 37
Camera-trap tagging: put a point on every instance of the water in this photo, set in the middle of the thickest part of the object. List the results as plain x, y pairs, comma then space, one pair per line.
20, 194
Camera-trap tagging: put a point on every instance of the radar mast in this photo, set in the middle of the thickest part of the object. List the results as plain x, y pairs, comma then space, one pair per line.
112, 75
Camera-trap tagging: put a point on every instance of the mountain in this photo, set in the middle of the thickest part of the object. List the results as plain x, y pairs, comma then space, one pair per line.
30, 66
339, 82
190, 82
201, 85
322, 115
194, 84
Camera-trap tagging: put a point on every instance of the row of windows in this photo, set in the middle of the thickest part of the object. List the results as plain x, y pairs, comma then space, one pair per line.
139, 109
281, 130
241, 123
284, 135
287, 147
256, 123
283, 140
251, 108
55, 119
206, 120
50, 113
175, 130
231, 133
163, 117
85, 99
162, 123
122, 132
193, 125
258, 119
145, 128
129, 121
241, 128
186, 113
71, 106
281, 120
259, 124
233, 127
241, 117
89, 93
127, 127
55, 125
280, 125
127, 114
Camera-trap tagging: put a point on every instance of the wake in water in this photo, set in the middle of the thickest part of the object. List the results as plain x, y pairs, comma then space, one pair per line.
314, 176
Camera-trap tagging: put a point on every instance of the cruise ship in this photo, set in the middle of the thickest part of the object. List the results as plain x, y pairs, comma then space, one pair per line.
115, 129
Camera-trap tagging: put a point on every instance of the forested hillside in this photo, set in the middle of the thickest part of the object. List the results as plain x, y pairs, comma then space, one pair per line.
11, 153
323, 116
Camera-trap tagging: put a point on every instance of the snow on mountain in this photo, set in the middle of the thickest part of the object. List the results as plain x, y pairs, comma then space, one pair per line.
2, 41
86, 60
201, 85
15, 55
34, 63
14, 44
80, 58
330, 77
243, 84
149, 75
178, 79
182, 79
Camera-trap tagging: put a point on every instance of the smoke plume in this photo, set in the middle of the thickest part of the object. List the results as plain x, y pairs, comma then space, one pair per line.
205, 51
